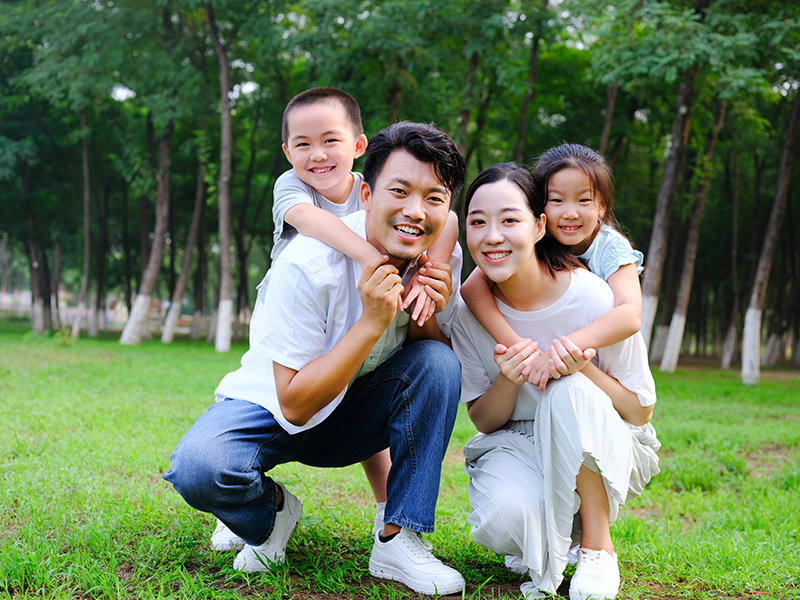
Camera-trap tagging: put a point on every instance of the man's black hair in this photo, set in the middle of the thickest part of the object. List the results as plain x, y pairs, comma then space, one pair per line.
424, 142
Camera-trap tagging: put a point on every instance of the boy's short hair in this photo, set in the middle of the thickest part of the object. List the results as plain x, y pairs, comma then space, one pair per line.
423, 141
324, 94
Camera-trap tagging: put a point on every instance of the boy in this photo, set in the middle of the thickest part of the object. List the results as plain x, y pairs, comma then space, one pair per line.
321, 136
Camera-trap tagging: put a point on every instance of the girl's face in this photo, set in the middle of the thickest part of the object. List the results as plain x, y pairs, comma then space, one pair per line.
502, 231
572, 210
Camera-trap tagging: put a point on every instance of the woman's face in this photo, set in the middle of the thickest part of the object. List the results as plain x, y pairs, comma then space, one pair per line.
502, 231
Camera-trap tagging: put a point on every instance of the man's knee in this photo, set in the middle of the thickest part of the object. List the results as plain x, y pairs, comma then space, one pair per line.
438, 359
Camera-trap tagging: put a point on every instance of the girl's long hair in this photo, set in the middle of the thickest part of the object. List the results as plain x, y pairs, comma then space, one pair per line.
552, 255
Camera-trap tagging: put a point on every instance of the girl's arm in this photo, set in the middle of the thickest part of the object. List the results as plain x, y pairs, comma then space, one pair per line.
440, 252
618, 324
622, 321
315, 222
478, 296
492, 410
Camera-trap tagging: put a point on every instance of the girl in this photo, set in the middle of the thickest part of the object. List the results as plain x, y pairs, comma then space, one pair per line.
579, 198
549, 470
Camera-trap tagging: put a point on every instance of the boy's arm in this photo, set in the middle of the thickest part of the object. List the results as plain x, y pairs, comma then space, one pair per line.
437, 279
303, 393
315, 222
443, 248
480, 301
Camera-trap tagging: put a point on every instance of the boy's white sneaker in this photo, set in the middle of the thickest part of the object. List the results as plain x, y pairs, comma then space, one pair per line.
407, 558
223, 539
258, 558
596, 576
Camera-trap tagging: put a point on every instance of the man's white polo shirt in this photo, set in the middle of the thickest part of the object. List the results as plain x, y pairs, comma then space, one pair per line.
311, 302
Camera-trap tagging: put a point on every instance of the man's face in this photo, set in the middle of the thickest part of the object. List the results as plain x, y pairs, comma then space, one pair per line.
407, 209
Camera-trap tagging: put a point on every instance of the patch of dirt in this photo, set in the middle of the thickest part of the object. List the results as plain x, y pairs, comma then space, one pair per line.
764, 461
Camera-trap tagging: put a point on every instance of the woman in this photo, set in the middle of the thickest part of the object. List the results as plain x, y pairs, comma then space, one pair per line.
548, 470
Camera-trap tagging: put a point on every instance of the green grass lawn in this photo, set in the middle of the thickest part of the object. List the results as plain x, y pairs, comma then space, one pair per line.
88, 427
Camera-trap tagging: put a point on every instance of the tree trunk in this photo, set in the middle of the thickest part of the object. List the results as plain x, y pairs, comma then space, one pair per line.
4, 271
144, 201
732, 335
37, 309
87, 232
463, 119
56, 284
126, 251
180, 286
751, 346
47, 304
657, 248
138, 319
669, 362
100, 263
199, 278
533, 64
225, 309
611, 101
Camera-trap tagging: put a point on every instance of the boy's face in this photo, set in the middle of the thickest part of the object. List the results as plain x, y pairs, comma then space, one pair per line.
321, 146
408, 208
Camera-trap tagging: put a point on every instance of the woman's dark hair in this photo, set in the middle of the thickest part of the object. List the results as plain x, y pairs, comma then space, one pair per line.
552, 255
424, 142
593, 164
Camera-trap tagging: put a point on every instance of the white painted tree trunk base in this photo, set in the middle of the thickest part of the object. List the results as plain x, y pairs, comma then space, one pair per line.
93, 323
649, 306
76, 321
772, 351
197, 324
170, 322
728, 348
132, 334
656, 352
672, 349
751, 347
37, 317
224, 326
212, 328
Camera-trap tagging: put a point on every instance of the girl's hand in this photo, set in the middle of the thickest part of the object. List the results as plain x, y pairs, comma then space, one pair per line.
515, 360
539, 372
566, 358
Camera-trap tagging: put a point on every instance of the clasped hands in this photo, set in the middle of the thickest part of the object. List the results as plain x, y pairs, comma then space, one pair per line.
524, 362
382, 291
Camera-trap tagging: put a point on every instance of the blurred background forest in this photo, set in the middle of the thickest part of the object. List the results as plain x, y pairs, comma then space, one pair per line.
140, 141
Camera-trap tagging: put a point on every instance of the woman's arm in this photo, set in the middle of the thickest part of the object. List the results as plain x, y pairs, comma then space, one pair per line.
492, 410
477, 294
315, 222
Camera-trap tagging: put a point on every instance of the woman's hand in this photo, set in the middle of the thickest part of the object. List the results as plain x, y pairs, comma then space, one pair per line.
515, 360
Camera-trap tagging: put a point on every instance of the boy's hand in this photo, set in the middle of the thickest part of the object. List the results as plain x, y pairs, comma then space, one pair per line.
380, 288
435, 283
513, 361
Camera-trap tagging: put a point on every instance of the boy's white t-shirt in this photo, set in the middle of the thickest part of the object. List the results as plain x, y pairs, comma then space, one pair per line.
587, 298
290, 191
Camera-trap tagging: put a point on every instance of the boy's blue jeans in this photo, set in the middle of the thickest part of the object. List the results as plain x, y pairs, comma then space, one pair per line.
407, 404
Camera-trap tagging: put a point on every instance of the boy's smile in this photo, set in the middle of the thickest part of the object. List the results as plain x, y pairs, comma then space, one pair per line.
322, 147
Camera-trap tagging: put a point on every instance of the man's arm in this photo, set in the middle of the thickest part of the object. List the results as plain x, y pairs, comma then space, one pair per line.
304, 393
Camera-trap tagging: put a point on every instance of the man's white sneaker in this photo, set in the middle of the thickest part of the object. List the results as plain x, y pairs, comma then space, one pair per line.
407, 558
596, 576
258, 558
223, 539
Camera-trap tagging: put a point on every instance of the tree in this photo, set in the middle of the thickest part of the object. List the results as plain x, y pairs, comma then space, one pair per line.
751, 346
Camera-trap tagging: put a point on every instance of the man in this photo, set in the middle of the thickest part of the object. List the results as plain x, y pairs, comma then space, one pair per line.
335, 373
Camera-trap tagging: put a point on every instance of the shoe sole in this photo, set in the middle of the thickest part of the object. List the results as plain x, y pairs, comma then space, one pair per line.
423, 587
227, 545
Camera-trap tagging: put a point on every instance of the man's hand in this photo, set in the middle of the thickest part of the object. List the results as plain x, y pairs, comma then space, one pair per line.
380, 288
514, 361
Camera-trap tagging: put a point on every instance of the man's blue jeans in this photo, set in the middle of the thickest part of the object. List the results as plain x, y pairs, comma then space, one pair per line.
408, 404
